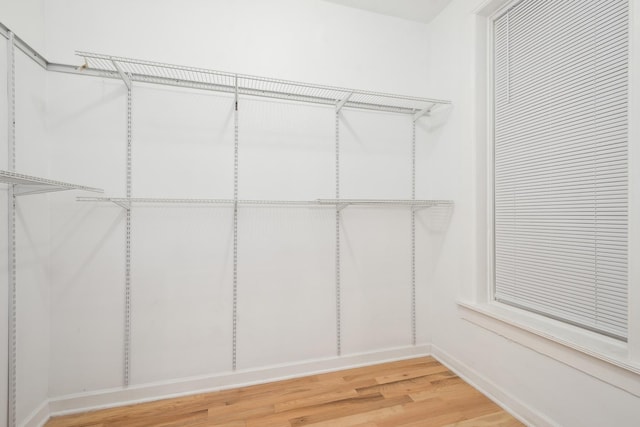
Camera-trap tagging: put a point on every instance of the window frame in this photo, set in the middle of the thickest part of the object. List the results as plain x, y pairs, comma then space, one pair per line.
611, 360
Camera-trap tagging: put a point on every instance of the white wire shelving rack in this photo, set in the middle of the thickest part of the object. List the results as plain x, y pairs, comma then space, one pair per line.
136, 70
27, 184
236, 85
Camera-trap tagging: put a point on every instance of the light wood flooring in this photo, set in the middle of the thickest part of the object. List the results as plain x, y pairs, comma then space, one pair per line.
418, 393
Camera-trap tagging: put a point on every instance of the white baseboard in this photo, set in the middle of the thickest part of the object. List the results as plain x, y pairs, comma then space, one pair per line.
149, 392
38, 417
514, 406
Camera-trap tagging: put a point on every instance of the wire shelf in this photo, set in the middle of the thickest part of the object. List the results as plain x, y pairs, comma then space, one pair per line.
200, 78
127, 202
385, 202
27, 184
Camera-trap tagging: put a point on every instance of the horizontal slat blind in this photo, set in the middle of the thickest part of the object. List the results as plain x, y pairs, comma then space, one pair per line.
560, 130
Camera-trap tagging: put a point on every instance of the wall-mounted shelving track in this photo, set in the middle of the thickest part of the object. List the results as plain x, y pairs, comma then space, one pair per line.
133, 71
11, 246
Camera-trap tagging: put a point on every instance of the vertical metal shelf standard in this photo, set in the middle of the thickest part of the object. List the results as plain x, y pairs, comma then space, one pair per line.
127, 80
127, 285
414, 327
11, 99
19, 185
413, 233
338, 291
128, 83
234, 349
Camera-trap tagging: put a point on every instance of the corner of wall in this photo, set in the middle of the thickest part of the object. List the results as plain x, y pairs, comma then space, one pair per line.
500, 396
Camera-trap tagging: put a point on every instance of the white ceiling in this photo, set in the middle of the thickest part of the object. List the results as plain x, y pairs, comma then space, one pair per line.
414, 10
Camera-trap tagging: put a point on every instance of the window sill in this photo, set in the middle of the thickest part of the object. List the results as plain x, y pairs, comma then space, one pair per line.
601, 357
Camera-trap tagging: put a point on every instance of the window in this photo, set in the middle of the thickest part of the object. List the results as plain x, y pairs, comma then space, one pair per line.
560, 161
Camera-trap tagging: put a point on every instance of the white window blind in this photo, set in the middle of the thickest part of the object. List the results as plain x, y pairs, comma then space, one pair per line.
560, 153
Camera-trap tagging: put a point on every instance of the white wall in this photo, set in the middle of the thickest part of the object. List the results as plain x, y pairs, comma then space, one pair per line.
566, 396
183, 147
308, 40
26, 19
87, 129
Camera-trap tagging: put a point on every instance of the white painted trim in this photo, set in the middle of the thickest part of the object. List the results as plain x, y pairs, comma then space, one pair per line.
488, 162
155, 391
492, 7
38, 417
485, 14
595, 355
634, 182
508, 402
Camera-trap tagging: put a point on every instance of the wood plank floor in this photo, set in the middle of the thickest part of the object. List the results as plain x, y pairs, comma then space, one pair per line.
418, 393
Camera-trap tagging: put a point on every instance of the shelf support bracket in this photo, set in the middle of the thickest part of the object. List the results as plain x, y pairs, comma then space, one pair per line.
124, 76
123, 205
341, 103
423, 112
25, 190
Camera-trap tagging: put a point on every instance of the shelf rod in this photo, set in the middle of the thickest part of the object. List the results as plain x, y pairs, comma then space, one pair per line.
261, 92
322, 100
176, 82
338, 203
124, 202
384, 202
